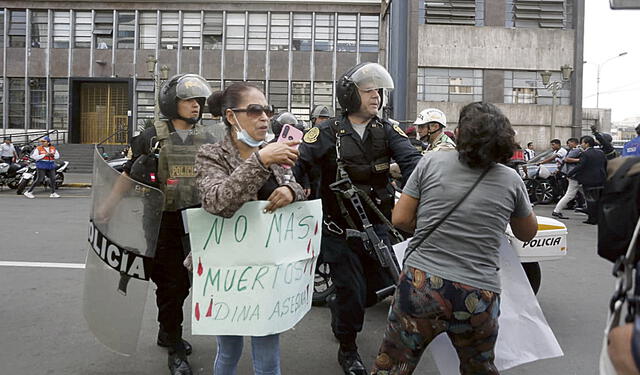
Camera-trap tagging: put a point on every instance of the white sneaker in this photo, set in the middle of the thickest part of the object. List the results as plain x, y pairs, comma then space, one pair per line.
54, 195
28, 194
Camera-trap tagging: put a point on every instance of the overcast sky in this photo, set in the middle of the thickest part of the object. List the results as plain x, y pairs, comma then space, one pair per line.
607, 34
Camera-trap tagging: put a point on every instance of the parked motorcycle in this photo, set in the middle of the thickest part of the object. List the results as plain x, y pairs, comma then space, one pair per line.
28, 176
10, 174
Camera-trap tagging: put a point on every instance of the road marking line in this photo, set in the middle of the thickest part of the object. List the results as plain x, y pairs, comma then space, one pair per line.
41, 264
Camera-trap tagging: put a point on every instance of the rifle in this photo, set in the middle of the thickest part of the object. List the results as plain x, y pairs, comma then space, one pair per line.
372, 243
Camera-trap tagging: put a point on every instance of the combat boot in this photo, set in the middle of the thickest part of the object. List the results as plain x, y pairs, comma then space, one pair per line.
178, 365
351, 362
163, 341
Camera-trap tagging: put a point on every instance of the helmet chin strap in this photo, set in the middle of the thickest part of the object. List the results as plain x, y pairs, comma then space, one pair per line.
190, 120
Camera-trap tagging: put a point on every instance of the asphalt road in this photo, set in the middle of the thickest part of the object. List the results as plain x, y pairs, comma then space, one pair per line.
42, 330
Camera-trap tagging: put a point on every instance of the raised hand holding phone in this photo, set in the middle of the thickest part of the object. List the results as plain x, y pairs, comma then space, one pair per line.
290, 134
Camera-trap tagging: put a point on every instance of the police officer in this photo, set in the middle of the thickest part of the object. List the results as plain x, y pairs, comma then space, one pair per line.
431, 123
174, 143
280, 120
319, 114
366, 145
632, 148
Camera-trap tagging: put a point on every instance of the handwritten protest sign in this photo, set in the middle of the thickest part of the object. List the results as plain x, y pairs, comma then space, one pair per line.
253, 273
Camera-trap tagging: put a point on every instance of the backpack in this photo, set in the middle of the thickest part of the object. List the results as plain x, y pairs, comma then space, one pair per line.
619, 207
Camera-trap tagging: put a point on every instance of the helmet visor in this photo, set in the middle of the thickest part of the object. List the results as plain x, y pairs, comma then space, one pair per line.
372, 77
192, 86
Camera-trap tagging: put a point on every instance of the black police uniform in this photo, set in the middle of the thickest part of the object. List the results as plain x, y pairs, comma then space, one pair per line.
168, 272
355, 274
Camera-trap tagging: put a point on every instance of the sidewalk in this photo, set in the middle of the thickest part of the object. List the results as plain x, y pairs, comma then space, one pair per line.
77, 180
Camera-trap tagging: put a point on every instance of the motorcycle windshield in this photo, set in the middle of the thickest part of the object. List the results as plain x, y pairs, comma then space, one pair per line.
123, 229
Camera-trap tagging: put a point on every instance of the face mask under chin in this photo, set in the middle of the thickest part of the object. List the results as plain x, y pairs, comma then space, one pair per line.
244, 137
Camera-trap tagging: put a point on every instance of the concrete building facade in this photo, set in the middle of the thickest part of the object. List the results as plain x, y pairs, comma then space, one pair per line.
82, 67
495, 50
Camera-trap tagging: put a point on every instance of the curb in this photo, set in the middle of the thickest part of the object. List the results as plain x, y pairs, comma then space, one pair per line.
78, 185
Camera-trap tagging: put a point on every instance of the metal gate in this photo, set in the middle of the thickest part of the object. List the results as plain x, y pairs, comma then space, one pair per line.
103, 112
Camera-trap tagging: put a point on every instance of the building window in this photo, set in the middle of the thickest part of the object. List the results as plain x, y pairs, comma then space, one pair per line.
449, 85
347, 32
17, 28
2, 28
38, 102
323, 93
301, 99
257, 32
278, 95
148, 26
538, 14
212, 31
301, 32
61, 27
191, 30
103, 29
279, 32
82, 30
16, 103
145, 103
39, 28
126, 29
60, 108
169, 24
215, 84
368, 33
325, 25
454, 12
235, 31
525, 87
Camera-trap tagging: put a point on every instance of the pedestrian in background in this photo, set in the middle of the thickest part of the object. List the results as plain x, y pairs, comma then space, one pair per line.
591, 173
568, 164
529, 152
632, 148
238, 169
8, 152
450, 282
45, 156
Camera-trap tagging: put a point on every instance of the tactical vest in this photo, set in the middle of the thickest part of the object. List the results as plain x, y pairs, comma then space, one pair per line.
367, 163
176, 166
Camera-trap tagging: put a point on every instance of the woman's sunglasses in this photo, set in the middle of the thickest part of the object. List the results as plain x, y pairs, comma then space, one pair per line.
255, 110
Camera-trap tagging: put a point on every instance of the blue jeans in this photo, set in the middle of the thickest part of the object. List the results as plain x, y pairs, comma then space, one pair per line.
265, 351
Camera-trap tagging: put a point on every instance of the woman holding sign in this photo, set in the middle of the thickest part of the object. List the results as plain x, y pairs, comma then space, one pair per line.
450, 282
243, 168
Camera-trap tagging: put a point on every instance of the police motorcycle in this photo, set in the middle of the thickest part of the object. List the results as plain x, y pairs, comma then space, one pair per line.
544, 184
125, 221
28, 174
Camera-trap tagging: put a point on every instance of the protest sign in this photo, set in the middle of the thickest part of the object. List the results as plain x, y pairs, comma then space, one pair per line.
524, 335
253, 273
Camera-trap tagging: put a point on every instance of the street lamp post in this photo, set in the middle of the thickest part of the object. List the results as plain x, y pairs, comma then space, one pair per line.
554, 86
164, 74
598, 76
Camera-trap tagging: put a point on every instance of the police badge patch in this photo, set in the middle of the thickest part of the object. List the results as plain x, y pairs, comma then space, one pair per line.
312, 135
399, 131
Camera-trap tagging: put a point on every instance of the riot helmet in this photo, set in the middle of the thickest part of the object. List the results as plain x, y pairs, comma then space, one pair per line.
321, 111
364, 76
431, 115
279, 120
183, 87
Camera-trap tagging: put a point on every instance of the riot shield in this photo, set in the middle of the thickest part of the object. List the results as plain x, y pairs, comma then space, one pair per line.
123, 229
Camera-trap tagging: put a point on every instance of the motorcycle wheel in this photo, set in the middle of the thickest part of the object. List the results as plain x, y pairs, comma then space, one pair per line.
59, 179
21, 186
532, 270
544, 192
323, 285
13, 184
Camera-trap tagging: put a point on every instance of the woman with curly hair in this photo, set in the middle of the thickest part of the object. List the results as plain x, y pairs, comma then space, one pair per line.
450, 282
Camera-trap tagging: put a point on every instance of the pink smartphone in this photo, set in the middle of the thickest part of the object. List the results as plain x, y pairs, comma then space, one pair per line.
288, 134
